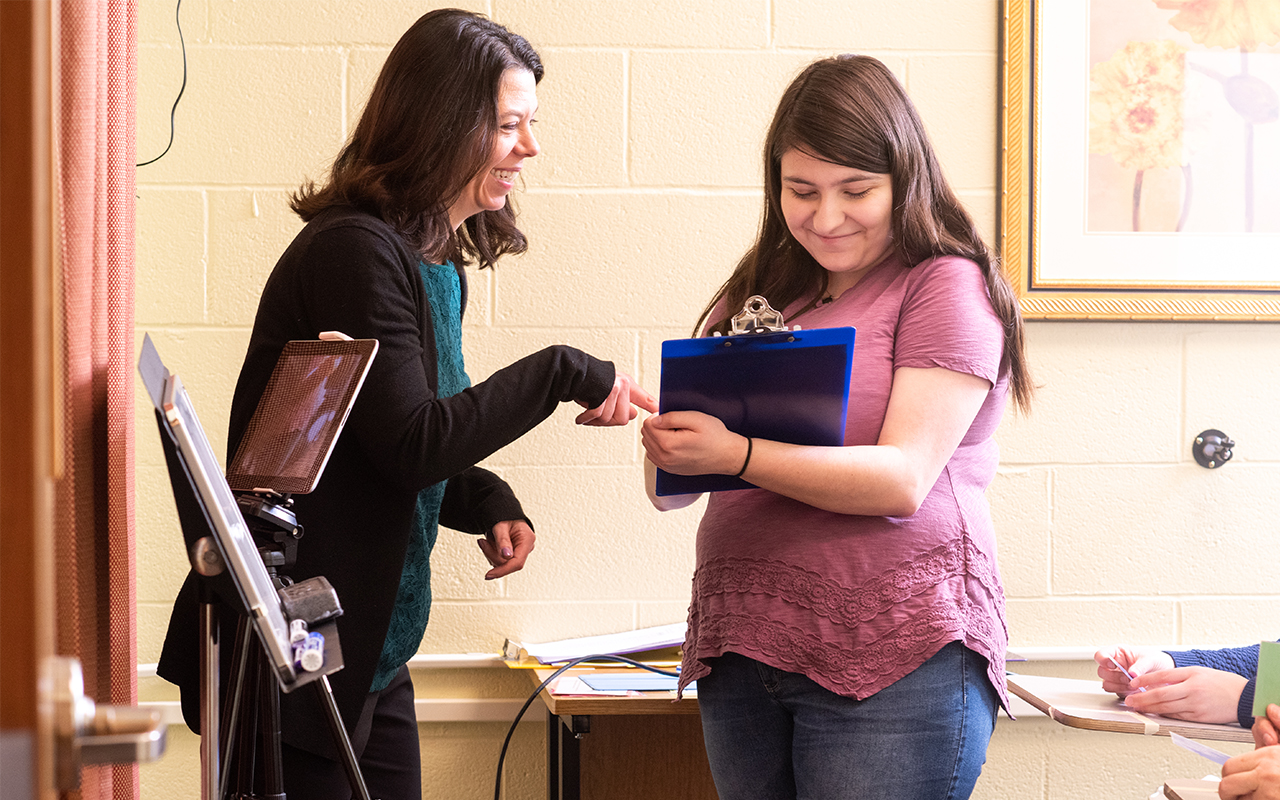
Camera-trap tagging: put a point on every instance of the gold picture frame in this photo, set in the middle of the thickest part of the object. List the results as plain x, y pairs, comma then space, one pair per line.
1035, 259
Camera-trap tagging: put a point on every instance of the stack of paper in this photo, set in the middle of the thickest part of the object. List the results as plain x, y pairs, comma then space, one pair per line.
637, 641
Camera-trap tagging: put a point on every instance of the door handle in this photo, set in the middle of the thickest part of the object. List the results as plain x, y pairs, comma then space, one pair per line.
87, 733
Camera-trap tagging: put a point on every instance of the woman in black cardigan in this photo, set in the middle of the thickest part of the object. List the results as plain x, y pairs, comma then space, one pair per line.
419, 190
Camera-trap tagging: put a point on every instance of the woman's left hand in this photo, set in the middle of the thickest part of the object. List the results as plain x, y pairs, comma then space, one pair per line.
507, 547
693, 443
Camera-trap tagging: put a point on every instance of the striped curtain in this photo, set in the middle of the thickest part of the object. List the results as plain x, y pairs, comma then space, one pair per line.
94, 509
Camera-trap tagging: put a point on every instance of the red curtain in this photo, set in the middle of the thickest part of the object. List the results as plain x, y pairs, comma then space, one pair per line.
94, 511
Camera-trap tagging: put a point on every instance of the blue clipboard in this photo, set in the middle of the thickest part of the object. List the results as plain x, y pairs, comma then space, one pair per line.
787, 386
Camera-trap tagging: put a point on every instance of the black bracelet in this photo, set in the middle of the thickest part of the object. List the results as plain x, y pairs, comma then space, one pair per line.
746, 460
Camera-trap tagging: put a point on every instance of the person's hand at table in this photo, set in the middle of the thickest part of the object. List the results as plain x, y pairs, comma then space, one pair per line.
1195, 694
620, 406
507, 546
1266, 730
1252, 776
693, 443
1138, 660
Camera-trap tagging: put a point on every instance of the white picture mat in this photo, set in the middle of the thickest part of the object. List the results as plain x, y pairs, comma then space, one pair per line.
1069, 256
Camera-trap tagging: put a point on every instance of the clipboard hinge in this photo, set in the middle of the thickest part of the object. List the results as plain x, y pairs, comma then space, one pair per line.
757, 316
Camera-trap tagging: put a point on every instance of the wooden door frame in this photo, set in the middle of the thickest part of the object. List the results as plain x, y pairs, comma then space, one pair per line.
28, 443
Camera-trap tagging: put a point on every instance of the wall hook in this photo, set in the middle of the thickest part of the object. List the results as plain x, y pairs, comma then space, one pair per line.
1212, 448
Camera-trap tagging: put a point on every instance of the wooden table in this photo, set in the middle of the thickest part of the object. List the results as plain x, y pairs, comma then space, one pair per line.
1083, 704
607, 747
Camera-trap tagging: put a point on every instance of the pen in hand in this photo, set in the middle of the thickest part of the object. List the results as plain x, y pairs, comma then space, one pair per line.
1126, 672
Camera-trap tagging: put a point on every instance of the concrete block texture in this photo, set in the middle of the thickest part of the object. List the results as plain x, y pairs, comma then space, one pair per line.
249, 114
1020, 509
482, 627
171, 257
158, 21
363, 66
1160, 531
664, 23
1083, 763
1059, 622
320, 22
159, 82
622, 260
254, 228
1231, 376
946, 89
599, 537
1230, 621
699, 119
581, 120
208, 361
863, 26
1107, 392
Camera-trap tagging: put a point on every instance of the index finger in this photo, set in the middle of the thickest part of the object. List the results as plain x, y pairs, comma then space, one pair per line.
641, 398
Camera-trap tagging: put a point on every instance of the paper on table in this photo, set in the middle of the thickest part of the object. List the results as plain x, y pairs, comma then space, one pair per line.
611, 643
631, 681
574, 685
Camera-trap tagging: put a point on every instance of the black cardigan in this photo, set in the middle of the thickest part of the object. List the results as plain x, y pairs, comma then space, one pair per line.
350, 272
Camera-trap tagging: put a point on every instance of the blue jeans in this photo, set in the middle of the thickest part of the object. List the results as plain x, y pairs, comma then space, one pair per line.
775, 735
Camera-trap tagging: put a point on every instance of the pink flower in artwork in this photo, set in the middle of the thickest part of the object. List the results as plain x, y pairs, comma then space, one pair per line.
1244, 24
1135, 105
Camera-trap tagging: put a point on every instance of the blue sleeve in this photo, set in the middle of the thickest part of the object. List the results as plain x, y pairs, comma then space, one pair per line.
1240, 660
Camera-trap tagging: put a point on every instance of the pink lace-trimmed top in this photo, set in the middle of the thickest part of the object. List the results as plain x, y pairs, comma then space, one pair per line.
857, 602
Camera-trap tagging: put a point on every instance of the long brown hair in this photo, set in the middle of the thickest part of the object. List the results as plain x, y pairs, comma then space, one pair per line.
426, 131
851, 110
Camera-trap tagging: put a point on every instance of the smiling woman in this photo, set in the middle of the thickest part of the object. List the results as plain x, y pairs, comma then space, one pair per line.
839, 214
407, 204
514, 142
850, 606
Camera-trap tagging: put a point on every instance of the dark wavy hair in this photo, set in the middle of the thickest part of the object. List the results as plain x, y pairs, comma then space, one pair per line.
851, 110
427, 130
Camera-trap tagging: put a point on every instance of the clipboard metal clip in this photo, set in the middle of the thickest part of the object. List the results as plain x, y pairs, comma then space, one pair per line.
757, 316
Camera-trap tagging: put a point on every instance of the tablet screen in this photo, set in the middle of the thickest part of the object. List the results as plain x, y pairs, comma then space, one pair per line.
301, 413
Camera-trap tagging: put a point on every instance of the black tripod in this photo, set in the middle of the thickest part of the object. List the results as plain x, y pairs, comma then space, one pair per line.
235, 580
250, 738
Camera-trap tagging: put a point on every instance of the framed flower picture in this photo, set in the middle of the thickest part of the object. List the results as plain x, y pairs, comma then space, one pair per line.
1140, 164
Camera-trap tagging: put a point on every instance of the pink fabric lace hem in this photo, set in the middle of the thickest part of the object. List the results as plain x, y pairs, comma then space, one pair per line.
868, 666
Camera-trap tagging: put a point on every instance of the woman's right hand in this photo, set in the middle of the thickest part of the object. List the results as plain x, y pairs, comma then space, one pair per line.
620, 406
1138, 660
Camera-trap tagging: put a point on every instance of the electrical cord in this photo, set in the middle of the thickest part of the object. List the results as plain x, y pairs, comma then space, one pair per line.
502, 756
173, 111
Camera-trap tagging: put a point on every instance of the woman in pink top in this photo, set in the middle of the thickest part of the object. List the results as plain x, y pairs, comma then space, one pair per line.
847, 624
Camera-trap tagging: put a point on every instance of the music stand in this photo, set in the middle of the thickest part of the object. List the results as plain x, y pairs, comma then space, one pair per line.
224, 553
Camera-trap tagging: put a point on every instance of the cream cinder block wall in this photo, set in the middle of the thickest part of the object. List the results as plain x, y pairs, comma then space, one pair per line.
647, 191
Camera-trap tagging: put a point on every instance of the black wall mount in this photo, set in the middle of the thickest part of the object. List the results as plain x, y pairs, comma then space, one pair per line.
1212, 448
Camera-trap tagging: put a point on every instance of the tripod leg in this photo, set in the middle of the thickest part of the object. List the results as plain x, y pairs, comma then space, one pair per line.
209, 703
242, 759
235, 697
340, 738
272, 761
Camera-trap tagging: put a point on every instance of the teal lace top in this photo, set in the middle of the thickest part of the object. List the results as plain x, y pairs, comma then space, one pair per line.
413, 599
